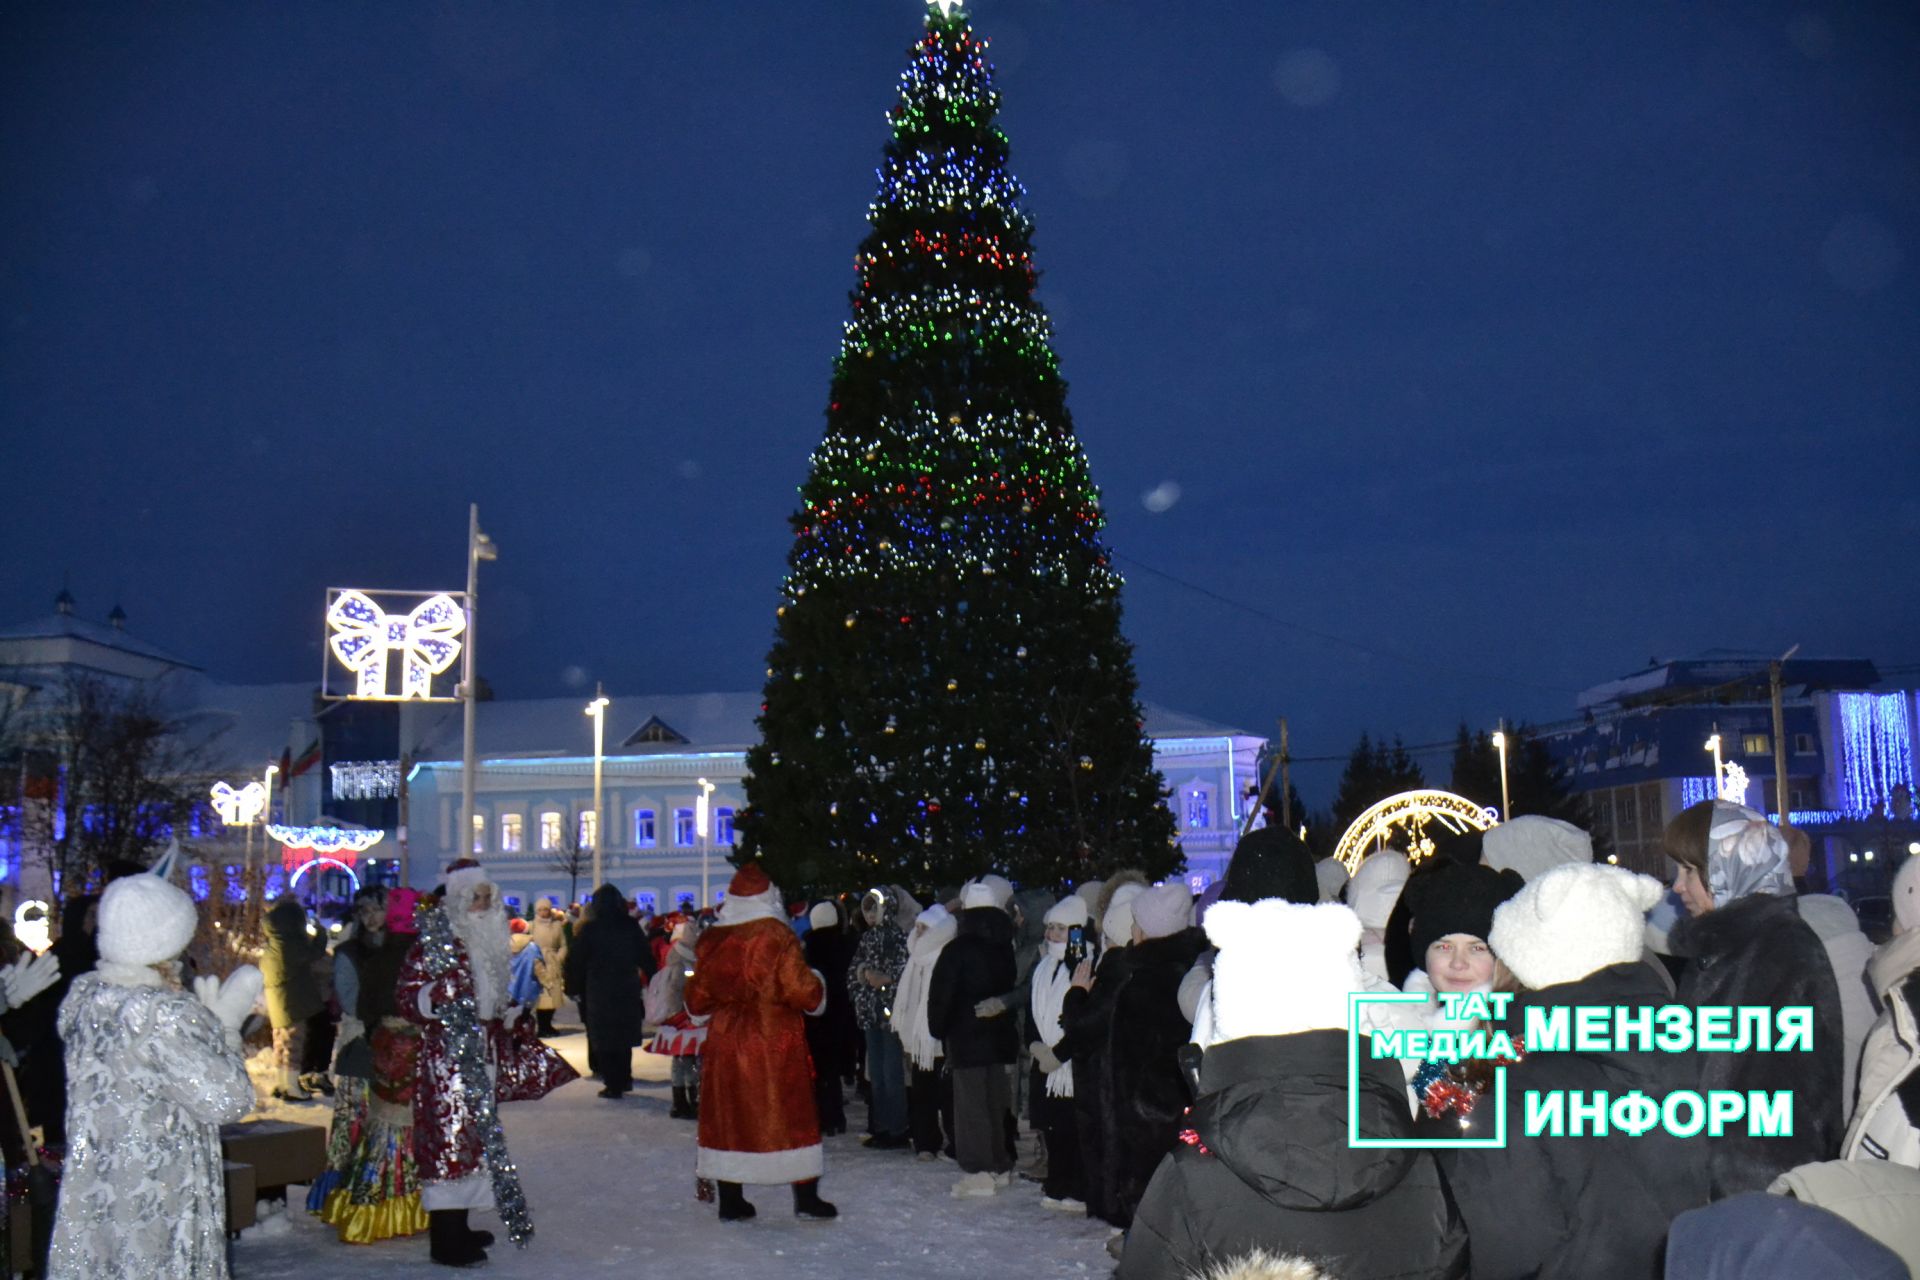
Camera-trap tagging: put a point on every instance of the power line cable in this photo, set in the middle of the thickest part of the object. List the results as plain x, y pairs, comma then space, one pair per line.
1330, 638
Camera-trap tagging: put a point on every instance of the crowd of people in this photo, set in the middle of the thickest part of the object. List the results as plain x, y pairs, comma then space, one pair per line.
1192, 1070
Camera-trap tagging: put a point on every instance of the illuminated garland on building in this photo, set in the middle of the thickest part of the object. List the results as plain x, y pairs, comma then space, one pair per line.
1876, 751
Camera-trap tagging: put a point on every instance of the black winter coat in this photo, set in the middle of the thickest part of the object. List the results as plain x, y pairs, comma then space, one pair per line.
610, 961
1588, 1208
831, 1036
1277, 1172
1124, 1039
1091, 1015
978, 963
1758, 951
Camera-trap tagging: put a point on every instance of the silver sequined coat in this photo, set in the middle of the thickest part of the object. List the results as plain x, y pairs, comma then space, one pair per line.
150, 1080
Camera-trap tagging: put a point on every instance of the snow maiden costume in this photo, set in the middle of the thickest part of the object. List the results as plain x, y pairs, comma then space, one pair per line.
378, 1193
757, 1118
152, 1073
453, 985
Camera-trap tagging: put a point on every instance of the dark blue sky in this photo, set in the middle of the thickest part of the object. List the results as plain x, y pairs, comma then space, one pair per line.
1527, 341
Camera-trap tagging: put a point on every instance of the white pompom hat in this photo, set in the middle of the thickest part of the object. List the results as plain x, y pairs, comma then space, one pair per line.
1376, 886
145, 920
1283, 967
1572, 921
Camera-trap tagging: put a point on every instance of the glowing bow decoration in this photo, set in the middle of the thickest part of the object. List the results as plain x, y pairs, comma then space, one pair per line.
239, 807
364, 634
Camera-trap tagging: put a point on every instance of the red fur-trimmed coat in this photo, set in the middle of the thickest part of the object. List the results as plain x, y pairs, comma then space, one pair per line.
756, 1087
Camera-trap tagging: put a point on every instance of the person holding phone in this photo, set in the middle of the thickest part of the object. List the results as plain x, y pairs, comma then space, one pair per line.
1065, 947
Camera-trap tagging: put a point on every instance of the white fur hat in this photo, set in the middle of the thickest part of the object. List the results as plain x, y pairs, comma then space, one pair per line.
1164, 910
1573, 921
1282, 967
1088, 891
145, 920
1906, 896
979, 895
1534, 845
1070, 910
1331, 873
1376, 886
824, 916
1002, 890
1116, 929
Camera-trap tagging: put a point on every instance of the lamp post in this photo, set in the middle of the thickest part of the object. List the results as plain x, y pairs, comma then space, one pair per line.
706, 846
266, 812
1713, 745
1500, 745
598, 710
479, 547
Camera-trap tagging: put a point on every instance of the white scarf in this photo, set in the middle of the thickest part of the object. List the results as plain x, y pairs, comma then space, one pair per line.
1051, 979
916, 979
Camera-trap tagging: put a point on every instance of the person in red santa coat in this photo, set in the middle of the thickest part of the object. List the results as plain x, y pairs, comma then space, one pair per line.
457, 994
757, 1119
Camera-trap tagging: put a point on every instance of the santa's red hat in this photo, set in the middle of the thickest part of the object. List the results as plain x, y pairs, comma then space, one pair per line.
749, 881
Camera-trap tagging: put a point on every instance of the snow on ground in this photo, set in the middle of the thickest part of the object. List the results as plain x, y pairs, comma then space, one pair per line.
611, 1186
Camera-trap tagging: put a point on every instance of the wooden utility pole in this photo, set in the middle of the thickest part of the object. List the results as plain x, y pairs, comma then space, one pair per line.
1278, 766
1286, 779
1780, 739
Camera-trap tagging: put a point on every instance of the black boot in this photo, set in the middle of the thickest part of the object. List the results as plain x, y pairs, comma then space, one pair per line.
678, 1111
733, 1203
808, 1204
480, 1239
449, 1243
693, 1102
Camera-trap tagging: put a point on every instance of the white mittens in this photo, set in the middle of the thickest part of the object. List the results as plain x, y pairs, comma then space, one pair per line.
28, 976
233, 999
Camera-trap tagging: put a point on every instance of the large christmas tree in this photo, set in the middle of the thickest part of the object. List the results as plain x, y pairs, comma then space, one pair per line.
948, 690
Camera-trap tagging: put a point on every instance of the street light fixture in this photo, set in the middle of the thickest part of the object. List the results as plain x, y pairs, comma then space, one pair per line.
700, 810
479, 547
598, 710
1500, 744
1719, 773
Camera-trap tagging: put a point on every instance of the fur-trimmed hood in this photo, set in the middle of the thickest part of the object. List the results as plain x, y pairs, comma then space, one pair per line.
1259, 1265
1113, 882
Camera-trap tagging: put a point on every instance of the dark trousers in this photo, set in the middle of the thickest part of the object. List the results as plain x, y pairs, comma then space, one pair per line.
1066, 1179
830, 1102
929, 1108
317, 1056
982, 1102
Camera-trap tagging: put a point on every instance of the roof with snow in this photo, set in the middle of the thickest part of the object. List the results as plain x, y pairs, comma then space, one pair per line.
1730, 667
637, 725
69, 626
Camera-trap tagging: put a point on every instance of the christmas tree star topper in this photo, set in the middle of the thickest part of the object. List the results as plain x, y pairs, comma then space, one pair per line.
946, 7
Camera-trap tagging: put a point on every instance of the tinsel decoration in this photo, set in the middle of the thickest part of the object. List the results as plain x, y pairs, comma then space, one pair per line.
466, 1038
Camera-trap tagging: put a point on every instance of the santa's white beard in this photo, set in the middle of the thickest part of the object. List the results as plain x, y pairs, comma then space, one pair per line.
488, 942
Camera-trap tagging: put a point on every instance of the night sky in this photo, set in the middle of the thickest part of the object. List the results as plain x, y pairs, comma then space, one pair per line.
1486, 350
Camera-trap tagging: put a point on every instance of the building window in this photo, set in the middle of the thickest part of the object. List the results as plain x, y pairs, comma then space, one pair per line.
723, 826
479, 833
1756, 744
589, 829
647, 901
683, 828
512, 833
550, 835
1803, 744
1199, 808
645, 835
